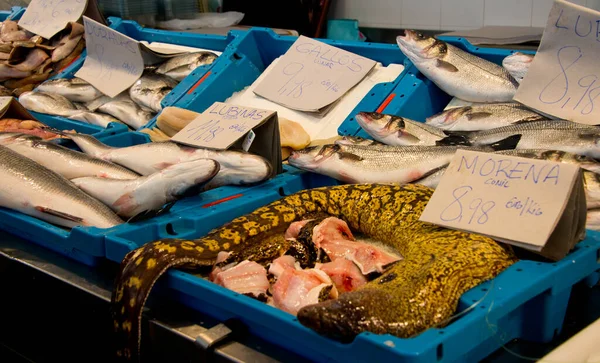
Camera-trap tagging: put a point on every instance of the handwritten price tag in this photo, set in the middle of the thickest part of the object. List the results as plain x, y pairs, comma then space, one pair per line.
564, 78
312, 75
221, 125
512, 199
113, 62
48, 17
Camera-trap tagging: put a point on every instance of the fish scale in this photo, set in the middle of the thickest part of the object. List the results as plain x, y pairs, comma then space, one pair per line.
417, 293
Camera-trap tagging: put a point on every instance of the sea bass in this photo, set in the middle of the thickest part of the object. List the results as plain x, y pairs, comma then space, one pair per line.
456, 72
181, 66
94, 118
482, 117
74, 89
32, 189
398, 131
129, 198
560, 135
238, 167
128, 112
411, 296
150, 89
357, 140
61, 160
49, 103
517, 64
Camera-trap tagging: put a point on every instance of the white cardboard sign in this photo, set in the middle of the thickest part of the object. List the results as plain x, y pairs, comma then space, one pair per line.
564, 79
48, 17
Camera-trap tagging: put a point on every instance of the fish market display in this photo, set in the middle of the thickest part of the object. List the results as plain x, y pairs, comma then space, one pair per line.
61, 160
456, 72
129, 198
409, 296
482, 117
134, 107
34, 190
30, 127
26, 60
517, 64
236, 168
397, 131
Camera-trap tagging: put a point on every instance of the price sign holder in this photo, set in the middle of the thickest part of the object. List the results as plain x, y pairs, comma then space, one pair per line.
564, 79
225, 126
538, 205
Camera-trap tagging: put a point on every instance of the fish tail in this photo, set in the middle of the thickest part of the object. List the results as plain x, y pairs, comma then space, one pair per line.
140, 269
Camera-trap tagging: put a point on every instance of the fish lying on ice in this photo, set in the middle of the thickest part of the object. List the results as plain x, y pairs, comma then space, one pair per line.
398, 131
49, 103
34, 190
129, 198
456, 72
409, 297
74, 89
517, 64
63, 161
181, 66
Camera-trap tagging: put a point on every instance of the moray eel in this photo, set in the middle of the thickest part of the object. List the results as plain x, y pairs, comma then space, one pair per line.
413, 295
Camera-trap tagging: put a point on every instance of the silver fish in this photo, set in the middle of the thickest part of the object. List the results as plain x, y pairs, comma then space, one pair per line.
128, 112
61, 160
517, 64
34, 190
582, 161
398, 131
456, 72
360, 164
547, 134
49, 103
181, 66
149, 158
34, 59
94, 118
74, 89
129, 198
150, 90
482, 117
356, 140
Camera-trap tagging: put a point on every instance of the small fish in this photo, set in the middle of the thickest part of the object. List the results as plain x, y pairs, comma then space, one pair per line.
150, 89
129, 198
61, 160
8, 72
517, 64
74, 89
128, 112
398, 131
49, 103
482, 117
181, 66
356, 140
33, 60
456, 72
32, 189
94, 118
560, 135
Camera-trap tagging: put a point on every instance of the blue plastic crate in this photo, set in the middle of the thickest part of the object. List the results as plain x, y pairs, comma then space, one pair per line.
253, 51
416, 97
134, 30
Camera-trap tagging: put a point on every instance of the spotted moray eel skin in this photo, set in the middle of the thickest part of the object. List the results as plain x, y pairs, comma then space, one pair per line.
413, 295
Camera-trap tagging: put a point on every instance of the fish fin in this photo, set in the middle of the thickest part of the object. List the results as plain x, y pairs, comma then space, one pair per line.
59, 214
454, 139
138, 273
125, 203
445, 66
478, 115
508, 143
147, 214
349, 156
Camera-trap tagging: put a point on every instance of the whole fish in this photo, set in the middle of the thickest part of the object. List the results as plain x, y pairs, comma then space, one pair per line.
34, 190
418, 293
94, 118
49, 103
363, 164
181, 66
482, 117
129, 198
128, 112
150, 90
517, 64
398, 131
34, 59
74, 89
61, 160
356, 140
547, 134
456, 72
8, 72
149, 158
